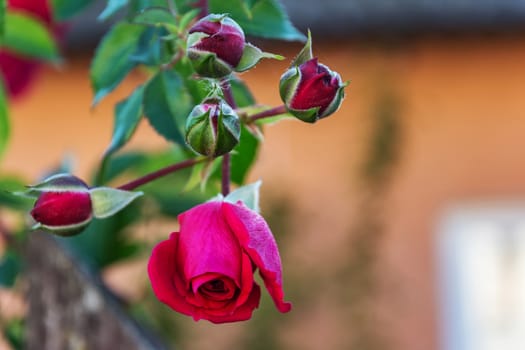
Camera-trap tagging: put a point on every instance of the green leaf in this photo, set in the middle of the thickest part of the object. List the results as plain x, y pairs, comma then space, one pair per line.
128, 113
64, 9
112, 60
112, 8
155, 16
152, 49
167, 103
108, 201
241, 93
248, 194
243, 156
9, 268
29, 37
135, 6
245, 153
5, 126
184, 6
263, 18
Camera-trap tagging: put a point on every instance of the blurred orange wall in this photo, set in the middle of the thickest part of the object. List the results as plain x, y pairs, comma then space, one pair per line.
462, 124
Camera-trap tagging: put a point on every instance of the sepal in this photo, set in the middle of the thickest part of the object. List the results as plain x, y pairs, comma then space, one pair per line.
58, 183
248, 194
108, 201
65, 230
305, 54
252, 55
310, 115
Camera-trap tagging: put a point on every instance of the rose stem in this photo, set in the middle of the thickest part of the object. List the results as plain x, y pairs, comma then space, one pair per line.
226, 159
226, 173
267, 113
160, 173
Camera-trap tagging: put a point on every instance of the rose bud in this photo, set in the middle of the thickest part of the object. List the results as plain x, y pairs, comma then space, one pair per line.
311, 91
63, 206
212, 128
206, 270
215, 45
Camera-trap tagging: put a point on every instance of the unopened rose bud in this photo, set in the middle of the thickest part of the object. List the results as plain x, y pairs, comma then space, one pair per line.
215, 45
213, 128
63, 206
311, 91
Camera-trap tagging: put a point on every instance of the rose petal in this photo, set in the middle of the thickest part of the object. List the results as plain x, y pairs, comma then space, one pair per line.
214, 286
164, 275
316, 89
257, 240
207, 245
246, 279
242, 313
309, 68
62, 208
215, 300
206, 26
228, 47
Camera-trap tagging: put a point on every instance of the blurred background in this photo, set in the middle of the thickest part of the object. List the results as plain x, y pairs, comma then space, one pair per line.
400, 219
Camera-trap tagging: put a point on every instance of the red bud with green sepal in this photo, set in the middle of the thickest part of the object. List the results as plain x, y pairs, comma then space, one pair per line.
213, 128
216, 47
63, 206
309, 89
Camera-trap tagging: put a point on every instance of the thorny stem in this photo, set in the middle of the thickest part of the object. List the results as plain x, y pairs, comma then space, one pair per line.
267, 113
160, 173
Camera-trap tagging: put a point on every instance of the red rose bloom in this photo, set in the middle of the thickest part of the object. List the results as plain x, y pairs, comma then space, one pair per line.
206, 269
